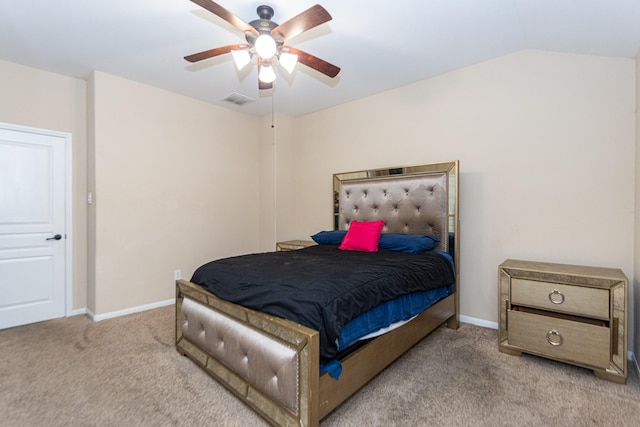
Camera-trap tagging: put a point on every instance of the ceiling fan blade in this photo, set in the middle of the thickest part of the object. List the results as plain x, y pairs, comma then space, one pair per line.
223, 13
215, 52
314, 62
308, 19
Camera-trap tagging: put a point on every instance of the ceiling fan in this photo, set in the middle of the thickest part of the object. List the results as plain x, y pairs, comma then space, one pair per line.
267, 39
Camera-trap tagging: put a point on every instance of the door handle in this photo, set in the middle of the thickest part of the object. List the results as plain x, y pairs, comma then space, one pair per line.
56, 237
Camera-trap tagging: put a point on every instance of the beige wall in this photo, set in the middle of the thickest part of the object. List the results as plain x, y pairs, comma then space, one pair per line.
39, 99
267, 185
285, 177
546, 148
278, 138
175, 183
542, 139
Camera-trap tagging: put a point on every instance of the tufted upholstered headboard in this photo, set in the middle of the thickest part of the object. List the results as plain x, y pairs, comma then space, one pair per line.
420, 199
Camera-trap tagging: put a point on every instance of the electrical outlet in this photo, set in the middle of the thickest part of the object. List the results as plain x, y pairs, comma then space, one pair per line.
177, 274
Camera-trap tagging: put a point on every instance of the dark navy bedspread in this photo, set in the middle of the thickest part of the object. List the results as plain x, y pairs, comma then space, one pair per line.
322, 287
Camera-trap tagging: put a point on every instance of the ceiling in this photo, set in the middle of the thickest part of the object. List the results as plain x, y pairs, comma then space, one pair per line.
378, 46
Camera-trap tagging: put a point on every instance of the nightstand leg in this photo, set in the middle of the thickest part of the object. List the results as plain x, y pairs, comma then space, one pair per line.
616, 378
509, 351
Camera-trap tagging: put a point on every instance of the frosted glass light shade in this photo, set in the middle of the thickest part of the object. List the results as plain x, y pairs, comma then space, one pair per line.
288, 61
241, 58
266, 75
265, 46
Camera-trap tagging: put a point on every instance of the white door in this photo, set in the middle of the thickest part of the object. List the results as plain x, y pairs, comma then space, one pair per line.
32, 225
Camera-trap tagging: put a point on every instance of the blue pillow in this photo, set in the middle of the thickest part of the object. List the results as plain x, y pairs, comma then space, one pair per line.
410, 243
333, 237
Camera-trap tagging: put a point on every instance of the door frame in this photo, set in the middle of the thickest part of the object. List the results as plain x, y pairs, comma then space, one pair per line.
68, 205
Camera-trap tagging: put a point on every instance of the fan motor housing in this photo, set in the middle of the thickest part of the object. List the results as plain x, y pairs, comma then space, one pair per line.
264, 26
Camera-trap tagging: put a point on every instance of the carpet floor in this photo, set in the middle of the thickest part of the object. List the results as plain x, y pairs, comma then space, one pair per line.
126, 372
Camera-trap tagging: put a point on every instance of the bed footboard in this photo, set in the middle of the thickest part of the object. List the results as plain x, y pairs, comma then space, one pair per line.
270, 363
273, 364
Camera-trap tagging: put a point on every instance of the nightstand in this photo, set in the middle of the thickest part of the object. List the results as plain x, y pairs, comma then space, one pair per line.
292, 245
569, 313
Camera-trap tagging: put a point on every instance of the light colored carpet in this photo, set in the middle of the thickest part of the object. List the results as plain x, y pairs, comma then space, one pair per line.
126, 372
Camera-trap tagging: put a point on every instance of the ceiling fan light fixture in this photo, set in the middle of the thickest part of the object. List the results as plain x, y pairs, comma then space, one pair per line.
266, 74
265, 46
241, 58
288, 61
267, 39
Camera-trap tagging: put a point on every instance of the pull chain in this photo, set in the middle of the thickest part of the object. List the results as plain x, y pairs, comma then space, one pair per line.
273, 124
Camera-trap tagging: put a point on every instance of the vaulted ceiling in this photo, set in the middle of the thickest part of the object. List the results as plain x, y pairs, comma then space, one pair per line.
379, 45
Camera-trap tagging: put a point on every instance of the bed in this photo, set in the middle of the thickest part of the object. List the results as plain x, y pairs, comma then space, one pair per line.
274, 364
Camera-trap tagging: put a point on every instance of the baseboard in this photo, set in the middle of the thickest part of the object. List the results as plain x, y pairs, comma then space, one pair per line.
479, 322
111, 315
78, 312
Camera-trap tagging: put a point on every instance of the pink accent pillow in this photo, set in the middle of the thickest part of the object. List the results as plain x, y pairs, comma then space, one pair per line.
362, 236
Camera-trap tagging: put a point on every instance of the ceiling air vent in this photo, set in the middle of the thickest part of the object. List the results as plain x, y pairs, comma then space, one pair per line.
238, 99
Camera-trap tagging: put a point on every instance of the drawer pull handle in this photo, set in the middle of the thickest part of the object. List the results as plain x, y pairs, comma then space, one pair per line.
556, 297
554, 338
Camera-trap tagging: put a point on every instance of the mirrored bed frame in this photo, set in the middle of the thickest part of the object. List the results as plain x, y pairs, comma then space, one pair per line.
272, 364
